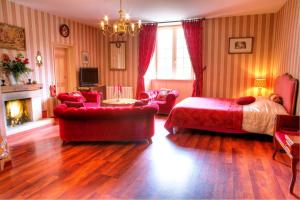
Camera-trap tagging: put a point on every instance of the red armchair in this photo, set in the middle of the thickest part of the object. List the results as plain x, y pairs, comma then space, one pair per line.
287, 125
89, 99
130, 123
165, 105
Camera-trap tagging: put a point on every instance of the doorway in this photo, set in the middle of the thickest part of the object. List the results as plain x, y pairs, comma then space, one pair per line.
61, 63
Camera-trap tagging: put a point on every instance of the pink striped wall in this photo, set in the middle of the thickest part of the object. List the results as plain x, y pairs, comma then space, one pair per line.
232, 75
42, 32
287, 41
126, 77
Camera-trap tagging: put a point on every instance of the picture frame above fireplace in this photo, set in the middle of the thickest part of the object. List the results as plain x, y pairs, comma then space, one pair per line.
12, 37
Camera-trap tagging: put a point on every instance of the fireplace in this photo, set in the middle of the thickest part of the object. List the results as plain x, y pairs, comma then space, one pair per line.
21, 107
18, 111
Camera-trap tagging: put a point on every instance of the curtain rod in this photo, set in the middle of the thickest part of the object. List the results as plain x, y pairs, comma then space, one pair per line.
165, 22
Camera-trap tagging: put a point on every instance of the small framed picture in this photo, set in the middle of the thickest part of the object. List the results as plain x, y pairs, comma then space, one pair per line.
85, 57
240, 45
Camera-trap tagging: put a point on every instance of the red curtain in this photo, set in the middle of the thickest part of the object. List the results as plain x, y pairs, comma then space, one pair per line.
193, 36
147, 40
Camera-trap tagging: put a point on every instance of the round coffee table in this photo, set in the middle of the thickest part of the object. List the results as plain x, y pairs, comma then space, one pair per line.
119, 102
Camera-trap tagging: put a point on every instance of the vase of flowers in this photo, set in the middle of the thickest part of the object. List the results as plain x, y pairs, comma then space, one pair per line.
14, 68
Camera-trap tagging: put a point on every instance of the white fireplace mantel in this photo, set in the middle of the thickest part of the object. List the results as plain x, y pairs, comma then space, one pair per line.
34, 93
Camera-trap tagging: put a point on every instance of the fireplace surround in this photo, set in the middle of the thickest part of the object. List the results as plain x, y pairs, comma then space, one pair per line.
21, 104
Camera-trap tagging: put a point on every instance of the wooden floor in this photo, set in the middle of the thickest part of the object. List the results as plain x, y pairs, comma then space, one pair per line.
189, 165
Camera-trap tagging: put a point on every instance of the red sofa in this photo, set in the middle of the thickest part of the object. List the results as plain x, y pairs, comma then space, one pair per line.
165, 105
89, 99
130, 123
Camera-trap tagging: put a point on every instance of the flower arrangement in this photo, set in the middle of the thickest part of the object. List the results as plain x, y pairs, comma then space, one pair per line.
16, 67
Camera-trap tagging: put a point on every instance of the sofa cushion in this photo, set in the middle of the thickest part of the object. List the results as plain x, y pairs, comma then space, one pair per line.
73, 104
141, 102
78, 95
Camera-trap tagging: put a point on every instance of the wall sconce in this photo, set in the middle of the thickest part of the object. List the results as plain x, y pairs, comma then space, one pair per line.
39, 59
260, 83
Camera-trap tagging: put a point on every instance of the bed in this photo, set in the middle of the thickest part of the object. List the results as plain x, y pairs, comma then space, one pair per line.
226, 116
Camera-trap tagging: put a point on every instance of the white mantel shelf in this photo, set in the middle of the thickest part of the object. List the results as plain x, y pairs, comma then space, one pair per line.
20, 88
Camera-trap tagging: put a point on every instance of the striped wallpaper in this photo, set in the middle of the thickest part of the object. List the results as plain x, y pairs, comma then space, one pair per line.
126, 77
227, 75
232, 75
42, 33
287, 41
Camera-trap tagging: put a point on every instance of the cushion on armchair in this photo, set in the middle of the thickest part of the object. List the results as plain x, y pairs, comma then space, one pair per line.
164, 98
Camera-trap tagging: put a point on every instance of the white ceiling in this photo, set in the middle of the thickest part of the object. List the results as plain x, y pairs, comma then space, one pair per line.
90, 11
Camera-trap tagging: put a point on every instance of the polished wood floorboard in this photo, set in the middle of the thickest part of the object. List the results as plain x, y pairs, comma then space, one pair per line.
188, 165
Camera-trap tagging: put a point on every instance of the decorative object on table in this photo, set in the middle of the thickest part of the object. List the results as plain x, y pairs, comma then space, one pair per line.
29, 81
34, 82
260, 83
118, 90
240, 45
52, 89
85, 57
122, 27
14, 68
287, 137
2, 82
39, 59
64, 30
12, 37
117, 55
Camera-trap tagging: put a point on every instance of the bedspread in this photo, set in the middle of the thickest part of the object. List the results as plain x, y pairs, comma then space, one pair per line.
213, 114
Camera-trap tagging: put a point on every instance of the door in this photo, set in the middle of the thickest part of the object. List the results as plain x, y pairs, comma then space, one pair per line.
61, 69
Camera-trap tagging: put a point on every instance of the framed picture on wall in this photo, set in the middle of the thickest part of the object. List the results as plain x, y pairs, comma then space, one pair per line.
240, 45
12, 37
117, 55
85, 57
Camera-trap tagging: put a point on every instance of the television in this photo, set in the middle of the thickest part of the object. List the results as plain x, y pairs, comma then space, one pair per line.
88, 76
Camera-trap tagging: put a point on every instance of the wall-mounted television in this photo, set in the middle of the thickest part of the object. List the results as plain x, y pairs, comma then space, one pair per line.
88, 76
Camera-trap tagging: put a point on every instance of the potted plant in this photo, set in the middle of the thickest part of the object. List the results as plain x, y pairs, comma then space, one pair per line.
14, 68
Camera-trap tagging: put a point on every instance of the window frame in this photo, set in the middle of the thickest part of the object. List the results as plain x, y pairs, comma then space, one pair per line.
174, 55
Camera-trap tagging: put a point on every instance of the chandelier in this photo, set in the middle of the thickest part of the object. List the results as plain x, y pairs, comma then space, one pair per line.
122, 26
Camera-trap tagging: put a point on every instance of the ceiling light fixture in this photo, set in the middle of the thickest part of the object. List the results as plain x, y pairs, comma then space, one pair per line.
122, 26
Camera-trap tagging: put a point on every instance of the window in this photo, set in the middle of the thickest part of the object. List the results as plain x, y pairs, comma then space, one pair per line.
171, 58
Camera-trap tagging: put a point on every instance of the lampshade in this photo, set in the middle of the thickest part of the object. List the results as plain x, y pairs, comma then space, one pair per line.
260, 82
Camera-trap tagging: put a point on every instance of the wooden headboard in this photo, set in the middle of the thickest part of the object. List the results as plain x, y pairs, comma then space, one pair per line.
287, 87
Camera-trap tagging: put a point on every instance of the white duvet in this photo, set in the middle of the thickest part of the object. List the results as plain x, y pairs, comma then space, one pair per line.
259, 116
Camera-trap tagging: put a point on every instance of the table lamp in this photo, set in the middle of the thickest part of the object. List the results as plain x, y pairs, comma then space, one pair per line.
260, 83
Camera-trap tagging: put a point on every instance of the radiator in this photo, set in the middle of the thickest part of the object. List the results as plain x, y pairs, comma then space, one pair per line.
127, 92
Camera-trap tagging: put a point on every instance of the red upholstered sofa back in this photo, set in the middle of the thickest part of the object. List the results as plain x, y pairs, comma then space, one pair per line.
131, 123
89, 99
